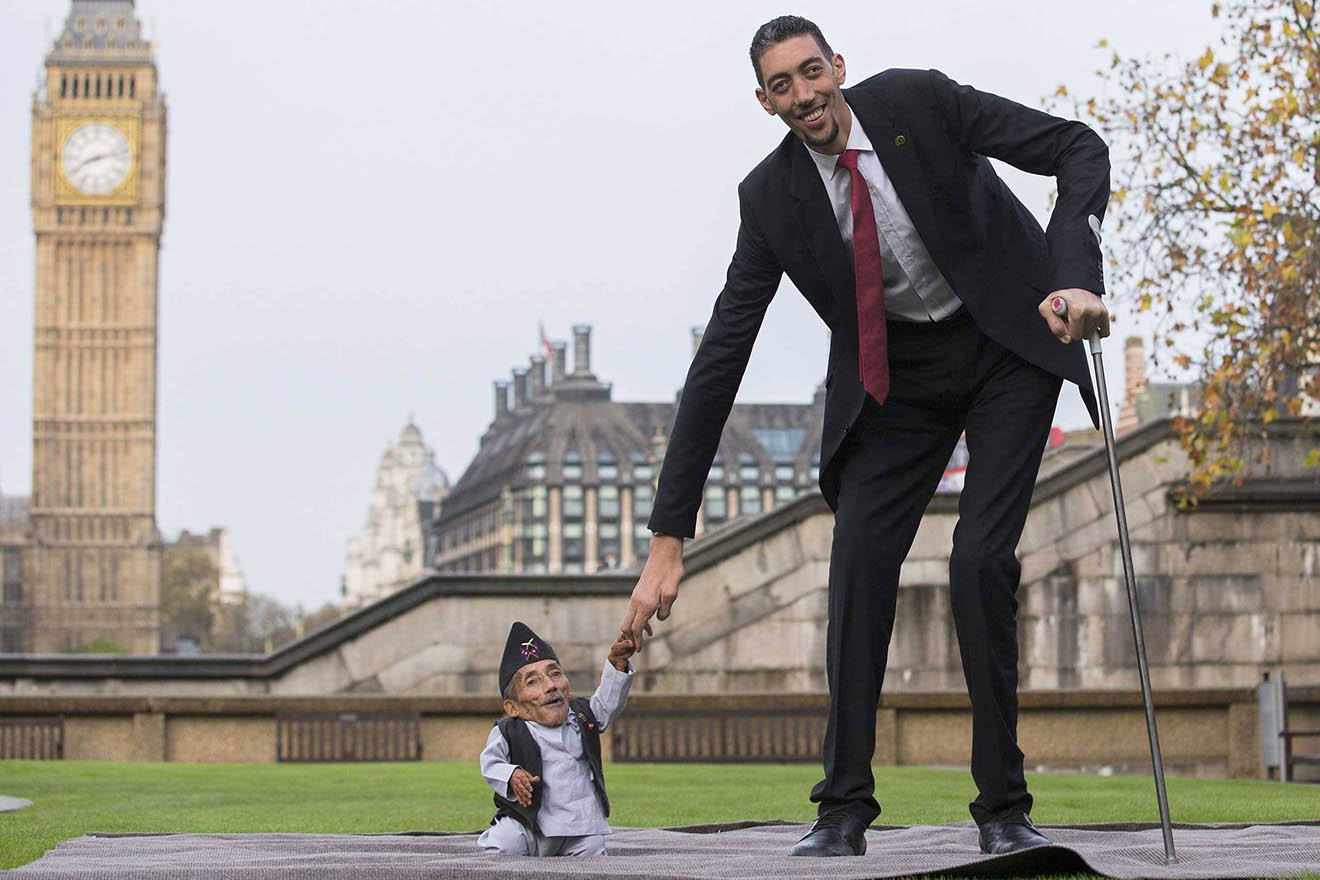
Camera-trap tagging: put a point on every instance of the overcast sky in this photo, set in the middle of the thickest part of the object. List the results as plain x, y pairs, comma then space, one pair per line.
371, 203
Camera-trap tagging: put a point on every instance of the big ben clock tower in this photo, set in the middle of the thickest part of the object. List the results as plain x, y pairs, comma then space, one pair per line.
98, 199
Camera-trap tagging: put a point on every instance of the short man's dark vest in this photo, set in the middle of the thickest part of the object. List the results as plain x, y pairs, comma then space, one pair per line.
524, 752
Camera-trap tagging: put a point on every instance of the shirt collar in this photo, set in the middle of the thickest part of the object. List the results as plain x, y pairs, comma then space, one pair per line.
857, 140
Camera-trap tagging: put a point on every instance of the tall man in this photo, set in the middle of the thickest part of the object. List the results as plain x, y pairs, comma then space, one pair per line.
881, 206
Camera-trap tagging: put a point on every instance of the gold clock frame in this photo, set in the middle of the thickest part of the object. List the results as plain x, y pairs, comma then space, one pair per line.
127, 191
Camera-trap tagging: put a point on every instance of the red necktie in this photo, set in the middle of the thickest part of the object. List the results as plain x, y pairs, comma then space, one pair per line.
872, 340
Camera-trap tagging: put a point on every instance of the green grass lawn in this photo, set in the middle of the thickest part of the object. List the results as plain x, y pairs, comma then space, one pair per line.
73, 797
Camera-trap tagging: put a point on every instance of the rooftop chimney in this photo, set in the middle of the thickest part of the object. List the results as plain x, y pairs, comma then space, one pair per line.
558, 362
582, 350
1134, 381
697, 332
519, 388
536, 389
501, 398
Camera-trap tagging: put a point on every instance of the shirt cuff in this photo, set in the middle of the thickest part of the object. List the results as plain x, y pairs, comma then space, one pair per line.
611, 672
498, 776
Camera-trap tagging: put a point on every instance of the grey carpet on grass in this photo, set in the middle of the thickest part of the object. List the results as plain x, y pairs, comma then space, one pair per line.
739, 850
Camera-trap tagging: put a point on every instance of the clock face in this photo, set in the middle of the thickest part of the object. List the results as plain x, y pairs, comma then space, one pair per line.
96, 158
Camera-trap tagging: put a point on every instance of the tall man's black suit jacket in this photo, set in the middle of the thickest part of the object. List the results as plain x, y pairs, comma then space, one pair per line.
932, 136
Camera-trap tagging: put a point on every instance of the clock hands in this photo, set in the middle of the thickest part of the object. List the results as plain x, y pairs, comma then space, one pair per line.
114, 154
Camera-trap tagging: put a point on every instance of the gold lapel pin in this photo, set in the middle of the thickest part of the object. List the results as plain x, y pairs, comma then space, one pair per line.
900, 140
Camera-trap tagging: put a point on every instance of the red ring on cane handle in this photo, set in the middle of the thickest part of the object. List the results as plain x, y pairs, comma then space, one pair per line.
1059, 306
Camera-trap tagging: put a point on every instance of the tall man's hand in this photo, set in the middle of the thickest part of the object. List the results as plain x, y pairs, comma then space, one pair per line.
1086, 314
656, 589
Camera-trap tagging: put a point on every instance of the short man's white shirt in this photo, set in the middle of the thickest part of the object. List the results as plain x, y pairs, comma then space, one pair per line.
915, 289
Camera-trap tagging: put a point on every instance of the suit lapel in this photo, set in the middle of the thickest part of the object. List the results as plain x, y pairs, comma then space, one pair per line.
814, 216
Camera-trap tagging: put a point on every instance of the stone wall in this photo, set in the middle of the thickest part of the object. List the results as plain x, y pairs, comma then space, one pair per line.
1203, 732
1229, 589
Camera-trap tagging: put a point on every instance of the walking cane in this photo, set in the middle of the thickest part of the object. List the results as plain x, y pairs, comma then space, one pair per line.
1060, 308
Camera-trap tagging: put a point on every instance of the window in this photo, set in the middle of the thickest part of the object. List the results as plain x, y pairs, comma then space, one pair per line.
13, 566
783, 473
748, 470
608, 506
13, 593
749, 500
716, 471
572, 465
717, 504
815, 467
607, 545
643, 496
781, 443
534, 468
572, 504
607, 467
575, 545
641, 541
784, 494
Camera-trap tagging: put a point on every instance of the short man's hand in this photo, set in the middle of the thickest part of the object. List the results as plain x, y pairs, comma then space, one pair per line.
656, 589
520, 783
620, 651
1086, 314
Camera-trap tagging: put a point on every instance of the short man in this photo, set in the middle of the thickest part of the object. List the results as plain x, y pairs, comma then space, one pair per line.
543, 757
881, 206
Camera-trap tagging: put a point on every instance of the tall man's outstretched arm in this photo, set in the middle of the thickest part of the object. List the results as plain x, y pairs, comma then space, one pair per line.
708, 392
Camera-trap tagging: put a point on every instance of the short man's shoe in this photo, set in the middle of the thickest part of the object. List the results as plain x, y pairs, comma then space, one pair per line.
1010, 832
836, 833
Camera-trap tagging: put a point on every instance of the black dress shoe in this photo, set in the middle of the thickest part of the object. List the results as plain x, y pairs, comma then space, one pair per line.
1010, 832
836, 833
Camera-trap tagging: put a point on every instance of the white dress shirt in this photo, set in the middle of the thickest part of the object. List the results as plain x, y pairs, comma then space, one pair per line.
915, 290
569, 806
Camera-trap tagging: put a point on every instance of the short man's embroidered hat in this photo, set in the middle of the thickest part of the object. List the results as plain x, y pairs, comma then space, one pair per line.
523, 647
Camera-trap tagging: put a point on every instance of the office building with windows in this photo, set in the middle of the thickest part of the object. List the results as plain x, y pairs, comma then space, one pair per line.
564, 477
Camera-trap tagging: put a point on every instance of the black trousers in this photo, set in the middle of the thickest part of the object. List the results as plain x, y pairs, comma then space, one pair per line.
945, 378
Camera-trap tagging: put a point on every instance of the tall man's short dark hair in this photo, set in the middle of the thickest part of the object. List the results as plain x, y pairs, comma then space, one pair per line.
785, 27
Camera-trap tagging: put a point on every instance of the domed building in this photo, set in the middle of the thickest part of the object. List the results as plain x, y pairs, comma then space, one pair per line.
391, 551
